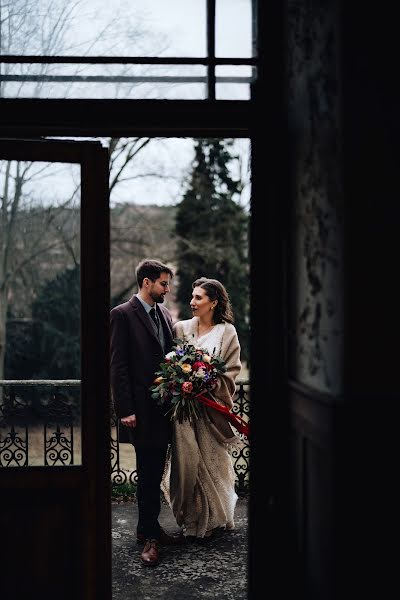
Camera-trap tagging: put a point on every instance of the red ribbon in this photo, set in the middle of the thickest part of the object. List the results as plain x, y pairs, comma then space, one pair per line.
234, 419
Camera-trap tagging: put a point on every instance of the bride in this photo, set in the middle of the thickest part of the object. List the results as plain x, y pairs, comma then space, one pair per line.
199, 481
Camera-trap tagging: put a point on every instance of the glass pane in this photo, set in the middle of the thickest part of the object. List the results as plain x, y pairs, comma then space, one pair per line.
40, 314
95, 27
103, 81
233, 29
88, 28
233, 82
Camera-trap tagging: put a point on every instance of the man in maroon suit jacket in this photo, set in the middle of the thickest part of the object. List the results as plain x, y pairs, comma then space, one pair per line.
139, 341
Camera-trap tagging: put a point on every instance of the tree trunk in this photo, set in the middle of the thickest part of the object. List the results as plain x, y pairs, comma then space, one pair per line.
3, 320
3, 317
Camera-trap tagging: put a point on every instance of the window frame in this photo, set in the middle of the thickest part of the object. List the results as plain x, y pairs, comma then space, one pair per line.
210, 61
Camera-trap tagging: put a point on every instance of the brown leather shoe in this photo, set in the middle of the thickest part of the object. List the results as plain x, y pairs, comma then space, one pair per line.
149, 556
164, 538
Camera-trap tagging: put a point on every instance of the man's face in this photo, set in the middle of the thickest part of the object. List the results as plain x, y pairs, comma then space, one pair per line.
159, 287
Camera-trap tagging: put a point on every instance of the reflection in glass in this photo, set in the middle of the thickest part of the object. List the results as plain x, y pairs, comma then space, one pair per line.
40, 314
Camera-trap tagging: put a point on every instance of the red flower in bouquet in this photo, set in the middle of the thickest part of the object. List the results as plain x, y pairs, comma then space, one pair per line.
185, 372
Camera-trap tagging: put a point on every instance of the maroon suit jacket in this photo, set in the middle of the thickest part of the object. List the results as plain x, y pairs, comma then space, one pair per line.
136, 354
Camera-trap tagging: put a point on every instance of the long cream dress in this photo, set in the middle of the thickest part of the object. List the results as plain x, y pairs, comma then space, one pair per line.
199, 481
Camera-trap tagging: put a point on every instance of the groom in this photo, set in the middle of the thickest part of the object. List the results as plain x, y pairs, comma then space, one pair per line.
141, 335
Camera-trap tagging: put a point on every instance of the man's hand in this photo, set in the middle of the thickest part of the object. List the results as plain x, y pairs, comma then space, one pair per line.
129, 421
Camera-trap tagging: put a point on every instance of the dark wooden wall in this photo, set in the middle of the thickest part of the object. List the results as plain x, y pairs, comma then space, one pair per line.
343, 303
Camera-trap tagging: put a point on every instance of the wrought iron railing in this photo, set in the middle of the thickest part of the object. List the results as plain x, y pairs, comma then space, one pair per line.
40, 425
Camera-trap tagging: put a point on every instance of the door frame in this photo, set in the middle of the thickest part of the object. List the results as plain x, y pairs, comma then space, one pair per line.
263, 119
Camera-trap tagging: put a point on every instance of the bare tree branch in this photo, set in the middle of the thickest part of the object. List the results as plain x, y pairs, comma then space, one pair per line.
131, 153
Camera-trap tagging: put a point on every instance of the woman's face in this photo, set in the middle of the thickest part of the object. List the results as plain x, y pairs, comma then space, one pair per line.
200, 303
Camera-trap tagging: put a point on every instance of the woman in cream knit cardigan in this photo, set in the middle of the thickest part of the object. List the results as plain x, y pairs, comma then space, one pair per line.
199, 481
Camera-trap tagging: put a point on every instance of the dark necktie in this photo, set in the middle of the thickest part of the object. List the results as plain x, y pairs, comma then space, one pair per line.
154, 317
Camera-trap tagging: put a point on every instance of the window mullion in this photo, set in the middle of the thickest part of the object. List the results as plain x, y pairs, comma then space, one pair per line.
211, 49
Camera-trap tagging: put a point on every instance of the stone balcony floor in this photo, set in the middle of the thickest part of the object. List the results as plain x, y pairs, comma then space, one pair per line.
214, 570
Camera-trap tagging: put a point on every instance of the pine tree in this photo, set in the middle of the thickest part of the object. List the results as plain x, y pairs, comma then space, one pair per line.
212, 230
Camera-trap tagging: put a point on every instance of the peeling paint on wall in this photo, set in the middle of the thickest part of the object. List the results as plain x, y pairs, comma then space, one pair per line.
316, 313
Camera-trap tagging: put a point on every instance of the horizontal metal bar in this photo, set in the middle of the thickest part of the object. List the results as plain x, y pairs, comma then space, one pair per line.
36, 382
124, 60
65, 382
123, 79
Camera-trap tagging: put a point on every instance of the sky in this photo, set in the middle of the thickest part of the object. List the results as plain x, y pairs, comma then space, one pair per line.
183, 22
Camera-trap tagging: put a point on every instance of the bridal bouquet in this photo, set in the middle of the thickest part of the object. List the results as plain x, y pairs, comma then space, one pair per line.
186, 372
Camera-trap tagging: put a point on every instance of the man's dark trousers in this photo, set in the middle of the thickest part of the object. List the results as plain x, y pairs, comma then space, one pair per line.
150, 464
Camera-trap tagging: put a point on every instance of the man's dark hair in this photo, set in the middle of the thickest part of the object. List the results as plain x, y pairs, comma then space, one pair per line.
151, 269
